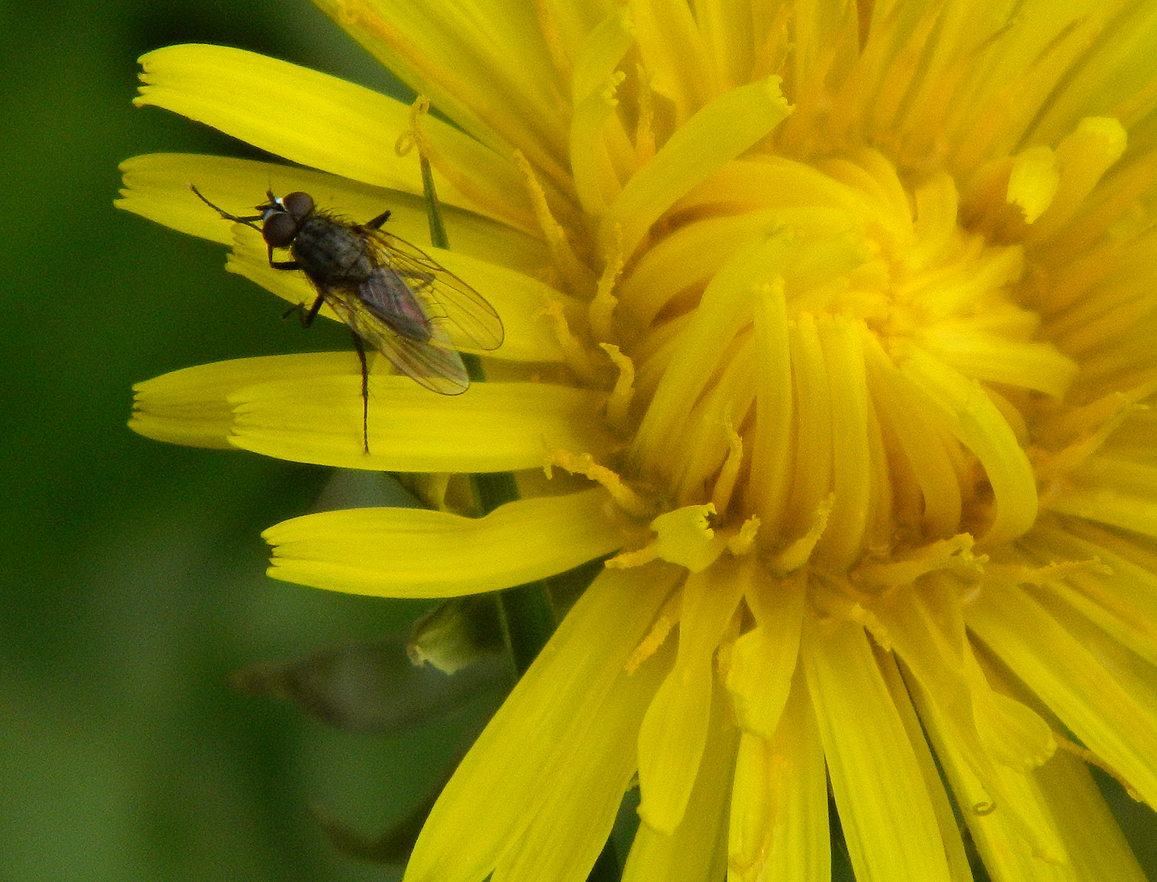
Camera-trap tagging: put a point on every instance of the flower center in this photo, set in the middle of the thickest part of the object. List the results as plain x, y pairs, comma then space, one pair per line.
827, 341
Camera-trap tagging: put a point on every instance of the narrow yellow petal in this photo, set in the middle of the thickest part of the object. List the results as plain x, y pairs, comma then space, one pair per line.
725, 311
1110, 709
929, 634
156, 186
855, 476
937, 504
1118, 493
779, 806
763, 661
311, 118
586, 792
191, 406
1033, 181
1123, 606
673, 50
885, 808
1037, 366
683, 537
1096, 847
308, 408
974, 419
316, 417
600, 54
946, 821
1082, 159
498, 788
675, 730
414, 552
485, 67
717, 133
772, 451
1002, 807
697, 849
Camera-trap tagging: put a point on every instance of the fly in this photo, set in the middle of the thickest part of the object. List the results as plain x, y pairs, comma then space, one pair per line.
389, 293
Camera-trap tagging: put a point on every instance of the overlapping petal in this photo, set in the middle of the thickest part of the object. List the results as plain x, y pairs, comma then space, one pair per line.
317, 120
413, 552
308, 408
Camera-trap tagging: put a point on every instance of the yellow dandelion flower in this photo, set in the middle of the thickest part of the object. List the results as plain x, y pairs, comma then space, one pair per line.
834, 327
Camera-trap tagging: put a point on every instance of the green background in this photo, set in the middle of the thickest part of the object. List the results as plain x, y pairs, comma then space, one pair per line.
132, 571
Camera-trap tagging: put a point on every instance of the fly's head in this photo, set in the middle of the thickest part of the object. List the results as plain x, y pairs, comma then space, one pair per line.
281, 218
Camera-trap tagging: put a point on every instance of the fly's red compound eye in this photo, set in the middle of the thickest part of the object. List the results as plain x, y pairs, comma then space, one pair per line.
279, 229
299, 205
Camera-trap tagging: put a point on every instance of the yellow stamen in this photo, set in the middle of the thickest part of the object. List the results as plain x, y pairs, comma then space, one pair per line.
619, 401
584, 464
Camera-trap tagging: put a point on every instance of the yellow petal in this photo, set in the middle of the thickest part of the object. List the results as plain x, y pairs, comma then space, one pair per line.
493, 427
718, 132
1114, 492
975, 421
675, 730
886, 811
486, 67
672, 47
1109, 708
414, 552
1033, 181
191, 406
779, 804
697, 848
1096, 847
928, 632
586, 792
311, 118
946, 819
308, 408
1003, 807
683, 537
1123, 606
763, 661
156, 186
498, 788
1082, 159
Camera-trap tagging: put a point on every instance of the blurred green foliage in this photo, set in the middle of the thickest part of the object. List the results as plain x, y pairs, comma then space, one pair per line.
132, 571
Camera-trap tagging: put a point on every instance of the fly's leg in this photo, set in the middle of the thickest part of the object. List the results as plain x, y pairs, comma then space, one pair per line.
306, 315
360, 347
282, 264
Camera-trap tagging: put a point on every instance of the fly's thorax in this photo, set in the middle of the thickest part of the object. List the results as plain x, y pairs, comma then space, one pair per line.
331, 252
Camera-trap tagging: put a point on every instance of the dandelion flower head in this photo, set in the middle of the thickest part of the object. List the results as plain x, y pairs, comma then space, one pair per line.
833, 326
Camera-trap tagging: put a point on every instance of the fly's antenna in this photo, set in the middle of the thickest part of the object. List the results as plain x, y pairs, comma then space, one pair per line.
248, 221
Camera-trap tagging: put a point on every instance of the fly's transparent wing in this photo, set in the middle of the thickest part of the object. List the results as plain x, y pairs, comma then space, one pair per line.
432, 361
461, 314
